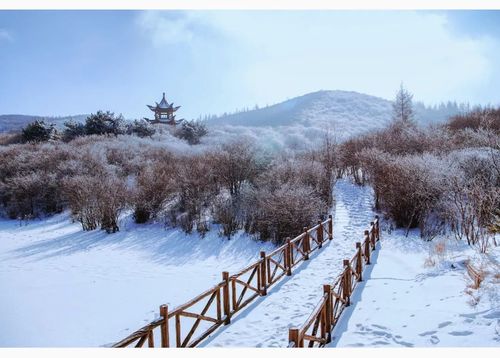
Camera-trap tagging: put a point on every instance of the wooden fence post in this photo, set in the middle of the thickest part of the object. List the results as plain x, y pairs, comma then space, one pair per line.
359, 263
330, 227
367, 247
225, 298
377, 227
329, 308
164, 327
178, 330
263, 281
288, 257
293, 336
306, 247
319, 234
372, 235
347, 283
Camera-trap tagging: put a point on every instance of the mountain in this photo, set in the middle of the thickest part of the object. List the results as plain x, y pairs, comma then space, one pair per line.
313, 109
15, 122
346, 112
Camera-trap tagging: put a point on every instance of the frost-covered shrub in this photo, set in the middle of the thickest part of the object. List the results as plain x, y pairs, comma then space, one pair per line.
408, 188
196, 187
234, 163
104, 123
191, 131
226, 213
31, 195
479, 118
282, 212
96, 200
141, 128
473, 195
154, 186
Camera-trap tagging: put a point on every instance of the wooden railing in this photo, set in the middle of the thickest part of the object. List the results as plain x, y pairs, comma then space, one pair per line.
316, 331
218, 304
476, 276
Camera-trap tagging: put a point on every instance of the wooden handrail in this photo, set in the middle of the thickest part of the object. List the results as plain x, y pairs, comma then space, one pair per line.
223, 296
326, 313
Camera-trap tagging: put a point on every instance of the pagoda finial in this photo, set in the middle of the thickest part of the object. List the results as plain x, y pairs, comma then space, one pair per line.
164, 96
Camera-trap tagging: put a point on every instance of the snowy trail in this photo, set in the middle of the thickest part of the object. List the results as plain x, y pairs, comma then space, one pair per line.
405, 302
266, 321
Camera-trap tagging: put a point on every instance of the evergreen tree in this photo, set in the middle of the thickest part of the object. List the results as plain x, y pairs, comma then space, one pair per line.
402, 108
73, 129
38, 131
104, 123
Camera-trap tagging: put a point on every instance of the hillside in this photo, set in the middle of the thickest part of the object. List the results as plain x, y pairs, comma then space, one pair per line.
328, 108
345, 112
14, 122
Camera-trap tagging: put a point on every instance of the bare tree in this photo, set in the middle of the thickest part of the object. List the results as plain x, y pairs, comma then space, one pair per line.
402, 108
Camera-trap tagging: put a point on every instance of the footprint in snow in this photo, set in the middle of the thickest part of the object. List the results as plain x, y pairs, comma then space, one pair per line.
444, 324
460, 333
435, 340
428, 333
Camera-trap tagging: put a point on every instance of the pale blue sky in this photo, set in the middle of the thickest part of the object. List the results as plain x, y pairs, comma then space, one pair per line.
71, 62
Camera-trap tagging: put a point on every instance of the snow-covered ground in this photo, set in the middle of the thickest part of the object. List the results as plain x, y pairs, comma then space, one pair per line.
62, 287
266, 321
415, 296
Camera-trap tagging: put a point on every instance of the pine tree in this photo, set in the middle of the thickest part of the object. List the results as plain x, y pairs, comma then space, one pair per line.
402, 108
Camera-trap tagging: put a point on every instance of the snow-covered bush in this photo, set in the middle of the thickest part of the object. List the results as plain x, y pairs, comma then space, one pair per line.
191, 131
278, 213
96, 200
226, 213
104, 123
409, 188
196, 188
154, 186
141, 128
234, 163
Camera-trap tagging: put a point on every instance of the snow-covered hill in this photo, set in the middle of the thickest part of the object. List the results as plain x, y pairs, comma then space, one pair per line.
15, 122
306, 118
339, 110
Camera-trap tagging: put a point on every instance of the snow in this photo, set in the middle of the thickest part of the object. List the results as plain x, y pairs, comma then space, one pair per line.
265, 322
62, 287
408, 301
65, 287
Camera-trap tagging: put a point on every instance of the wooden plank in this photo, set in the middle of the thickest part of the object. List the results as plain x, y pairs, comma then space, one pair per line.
198, 320
198, 316
141, 341
151, 342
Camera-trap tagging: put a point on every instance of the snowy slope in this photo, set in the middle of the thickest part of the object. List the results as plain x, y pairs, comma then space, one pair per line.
405, 303
64, 287
343, 111
15, 122
265, 322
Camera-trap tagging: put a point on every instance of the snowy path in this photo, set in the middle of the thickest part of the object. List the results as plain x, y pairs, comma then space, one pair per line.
405, 303
62, 287
265, 322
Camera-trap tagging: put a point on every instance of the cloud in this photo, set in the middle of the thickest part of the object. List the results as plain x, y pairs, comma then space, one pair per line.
5, 36
174, 27
475, 23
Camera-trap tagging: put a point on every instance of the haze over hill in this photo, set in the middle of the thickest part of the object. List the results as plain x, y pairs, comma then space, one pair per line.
345, 112
15, 122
